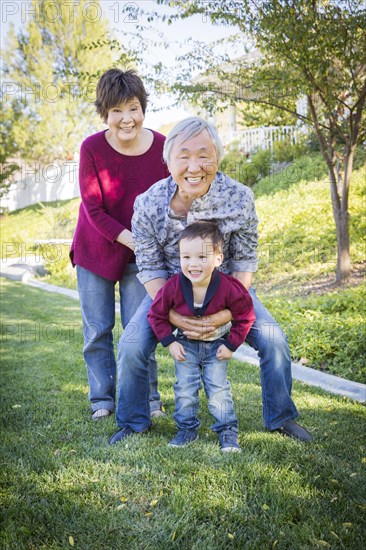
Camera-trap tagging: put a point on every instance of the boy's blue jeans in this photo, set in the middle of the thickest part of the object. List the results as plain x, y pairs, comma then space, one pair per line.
97, 303
202, 365
265, 336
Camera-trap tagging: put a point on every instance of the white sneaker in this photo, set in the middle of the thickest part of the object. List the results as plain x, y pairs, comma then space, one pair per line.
101, 413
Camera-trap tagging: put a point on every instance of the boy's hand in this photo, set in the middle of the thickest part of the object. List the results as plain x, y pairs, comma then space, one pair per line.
223, 353
177, 351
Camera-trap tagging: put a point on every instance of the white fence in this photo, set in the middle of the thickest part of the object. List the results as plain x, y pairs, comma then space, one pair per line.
57, 180
253, 138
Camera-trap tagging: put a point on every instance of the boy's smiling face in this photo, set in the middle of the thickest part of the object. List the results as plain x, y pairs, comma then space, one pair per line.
198, 260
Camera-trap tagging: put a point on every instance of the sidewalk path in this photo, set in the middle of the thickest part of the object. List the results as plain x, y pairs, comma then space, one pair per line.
17, 270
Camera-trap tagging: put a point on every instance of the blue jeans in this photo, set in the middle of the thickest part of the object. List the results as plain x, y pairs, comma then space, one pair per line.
201, 364
265, 336
97, 303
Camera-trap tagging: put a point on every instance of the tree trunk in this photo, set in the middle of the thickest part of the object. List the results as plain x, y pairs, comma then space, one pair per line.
341, 218
339, 198
343, 248
342, 223
342, 231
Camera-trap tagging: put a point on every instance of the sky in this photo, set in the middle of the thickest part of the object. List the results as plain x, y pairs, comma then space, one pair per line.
124, 17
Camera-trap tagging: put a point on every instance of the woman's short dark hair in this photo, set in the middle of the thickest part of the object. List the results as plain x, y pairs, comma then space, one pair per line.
206, 230
116, 86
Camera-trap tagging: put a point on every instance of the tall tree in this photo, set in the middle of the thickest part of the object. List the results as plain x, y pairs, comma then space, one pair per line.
8, 148
310, 48
50, 71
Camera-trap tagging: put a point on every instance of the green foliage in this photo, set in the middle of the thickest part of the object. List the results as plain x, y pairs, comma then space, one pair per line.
309, 168
49, 75
296, 229
286, 151
248, 171
8, 148
23, 229
255, 115
63, 484
297, 253
262, 163
303, 50
327, 331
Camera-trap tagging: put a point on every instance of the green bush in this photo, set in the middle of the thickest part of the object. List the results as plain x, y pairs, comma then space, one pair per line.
262, 160
248, 171
286, 151
309, 168
326, 331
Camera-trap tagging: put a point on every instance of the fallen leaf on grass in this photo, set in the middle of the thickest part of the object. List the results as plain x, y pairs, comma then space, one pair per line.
148, 514
323, 543
16, 406
230, 536
173, 536
265, 507
153, 502
347, 524
121, 506
334, 535
71, 540
123, 499
353, 475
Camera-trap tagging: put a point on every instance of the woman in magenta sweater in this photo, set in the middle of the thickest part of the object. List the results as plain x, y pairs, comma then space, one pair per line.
116, 165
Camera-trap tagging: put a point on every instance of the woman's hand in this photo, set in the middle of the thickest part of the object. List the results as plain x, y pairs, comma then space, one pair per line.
126, 238
199, 328
177, 351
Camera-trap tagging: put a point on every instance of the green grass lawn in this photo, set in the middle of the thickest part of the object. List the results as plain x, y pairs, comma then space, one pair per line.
64, 486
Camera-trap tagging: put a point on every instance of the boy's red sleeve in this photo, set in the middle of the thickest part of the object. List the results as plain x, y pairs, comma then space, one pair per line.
158, 315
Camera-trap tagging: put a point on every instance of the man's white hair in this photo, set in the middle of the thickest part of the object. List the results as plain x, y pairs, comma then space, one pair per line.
187, 129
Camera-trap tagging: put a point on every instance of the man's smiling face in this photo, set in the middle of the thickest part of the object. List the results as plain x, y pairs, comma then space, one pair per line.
193, 164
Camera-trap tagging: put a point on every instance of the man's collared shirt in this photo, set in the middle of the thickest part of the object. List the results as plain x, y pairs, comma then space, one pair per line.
156, 228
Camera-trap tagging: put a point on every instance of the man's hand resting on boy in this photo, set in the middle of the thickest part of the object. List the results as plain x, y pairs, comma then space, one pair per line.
223, 353
177, 351
199, 328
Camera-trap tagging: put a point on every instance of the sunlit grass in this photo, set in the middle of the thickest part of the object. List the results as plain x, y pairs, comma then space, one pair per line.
61, 479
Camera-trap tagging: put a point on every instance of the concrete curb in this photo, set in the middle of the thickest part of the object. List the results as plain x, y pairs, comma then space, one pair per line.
312, 377
333, 384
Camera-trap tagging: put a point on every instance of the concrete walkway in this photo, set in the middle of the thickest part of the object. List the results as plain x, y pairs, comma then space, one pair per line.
18, 270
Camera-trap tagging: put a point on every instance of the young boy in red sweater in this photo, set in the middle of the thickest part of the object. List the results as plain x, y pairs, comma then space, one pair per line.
200, 289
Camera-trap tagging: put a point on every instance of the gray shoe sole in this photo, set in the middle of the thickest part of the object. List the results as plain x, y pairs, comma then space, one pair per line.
231, 450
99, 414
170, 444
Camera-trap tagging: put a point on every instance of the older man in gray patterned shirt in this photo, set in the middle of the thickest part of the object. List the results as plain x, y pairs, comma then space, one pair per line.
197, 191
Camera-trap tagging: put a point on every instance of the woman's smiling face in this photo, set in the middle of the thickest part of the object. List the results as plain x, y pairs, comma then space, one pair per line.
193, 164
125, 120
